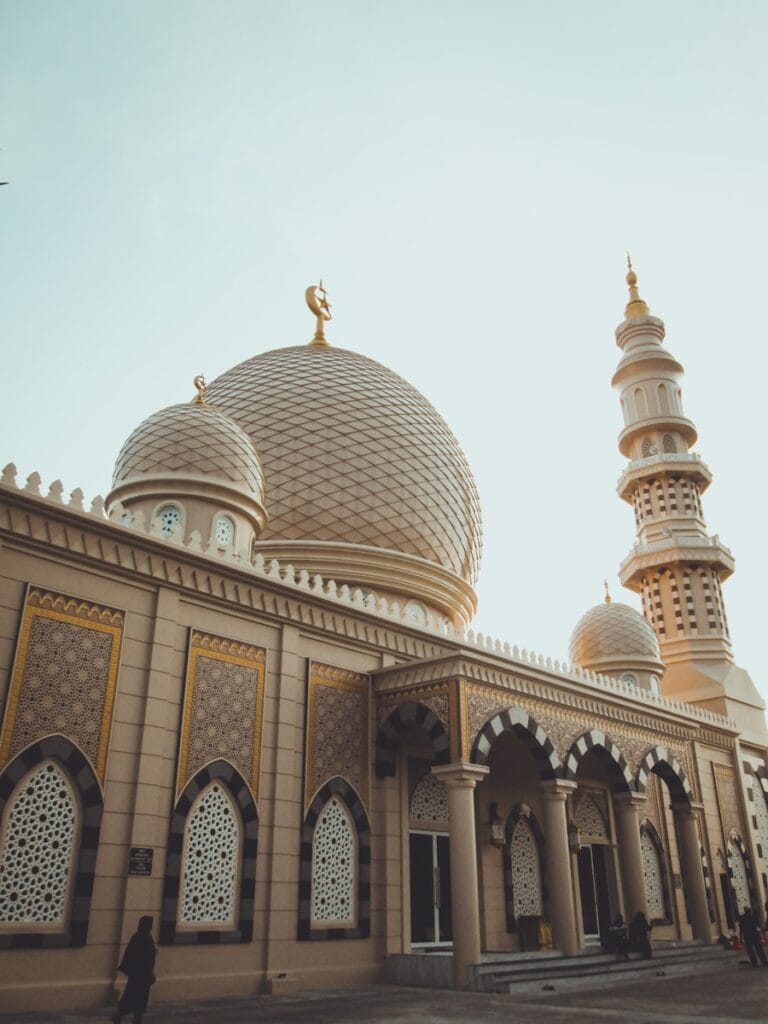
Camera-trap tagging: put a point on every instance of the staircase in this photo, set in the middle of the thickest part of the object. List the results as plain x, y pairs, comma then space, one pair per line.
534, 972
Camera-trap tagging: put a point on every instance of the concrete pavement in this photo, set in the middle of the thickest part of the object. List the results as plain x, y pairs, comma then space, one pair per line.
729, 993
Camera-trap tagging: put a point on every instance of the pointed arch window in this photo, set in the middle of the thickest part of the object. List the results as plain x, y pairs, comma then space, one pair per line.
657, 899
50, 818
211, 861
38, 850
210, 878
334, 887
525, 858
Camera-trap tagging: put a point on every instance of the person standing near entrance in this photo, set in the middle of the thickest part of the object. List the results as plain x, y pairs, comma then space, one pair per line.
640, 935
751, 938
138, 964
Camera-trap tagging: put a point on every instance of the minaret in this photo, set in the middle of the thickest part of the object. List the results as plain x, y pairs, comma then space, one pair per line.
675, 565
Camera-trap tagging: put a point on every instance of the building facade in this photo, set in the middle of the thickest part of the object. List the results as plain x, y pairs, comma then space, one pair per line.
242, 695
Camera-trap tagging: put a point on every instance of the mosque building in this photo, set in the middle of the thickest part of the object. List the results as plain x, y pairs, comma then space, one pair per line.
242, 695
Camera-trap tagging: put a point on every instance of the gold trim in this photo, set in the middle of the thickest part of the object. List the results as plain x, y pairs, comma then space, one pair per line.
358, 683
233, 652
50, 605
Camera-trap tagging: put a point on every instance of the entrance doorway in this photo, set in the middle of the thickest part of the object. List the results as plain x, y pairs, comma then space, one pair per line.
594, 889
430, 890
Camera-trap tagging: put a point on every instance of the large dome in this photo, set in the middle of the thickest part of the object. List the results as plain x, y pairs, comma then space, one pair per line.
354, 455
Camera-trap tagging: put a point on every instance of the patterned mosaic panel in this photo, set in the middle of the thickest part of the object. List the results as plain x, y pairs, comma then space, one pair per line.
333, 861
338, 740
761, 814
728, 798
64, 677
353, 453
211, 856
739, 879
429, 805
223, 708
37, 850
526, 871
591, 818
652, 874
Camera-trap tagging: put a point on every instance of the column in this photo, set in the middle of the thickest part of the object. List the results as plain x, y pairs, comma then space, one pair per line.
627, 810
460, 779
558, 866
686, 820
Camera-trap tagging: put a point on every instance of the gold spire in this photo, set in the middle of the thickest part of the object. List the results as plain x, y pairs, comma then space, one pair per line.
636, 306
607, 597
317, 300
201, 385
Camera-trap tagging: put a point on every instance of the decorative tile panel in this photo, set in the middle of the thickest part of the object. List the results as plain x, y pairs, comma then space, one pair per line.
338, 731
64, 677
728, 799
223, 708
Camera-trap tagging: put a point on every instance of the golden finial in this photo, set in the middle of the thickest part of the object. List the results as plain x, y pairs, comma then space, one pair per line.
317, 300
636, 306
201, 385
607, 597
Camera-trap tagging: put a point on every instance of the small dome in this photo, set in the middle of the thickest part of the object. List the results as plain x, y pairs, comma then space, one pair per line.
613, 635
191, 439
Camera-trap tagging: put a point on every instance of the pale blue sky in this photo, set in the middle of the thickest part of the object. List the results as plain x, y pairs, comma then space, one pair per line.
465, 178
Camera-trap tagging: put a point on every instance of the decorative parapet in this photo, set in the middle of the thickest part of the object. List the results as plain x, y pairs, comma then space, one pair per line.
355, 599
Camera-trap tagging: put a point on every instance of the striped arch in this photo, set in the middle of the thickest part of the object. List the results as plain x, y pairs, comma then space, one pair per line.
85, 783
597, 741
660, 761
403, 720
223, 772
525, 726
336, 787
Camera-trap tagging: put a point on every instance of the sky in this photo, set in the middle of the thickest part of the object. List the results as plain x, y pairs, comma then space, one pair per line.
466, 178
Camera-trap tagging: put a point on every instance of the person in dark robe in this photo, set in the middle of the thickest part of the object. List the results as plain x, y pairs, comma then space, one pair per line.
750, 936
138, 964
640, 935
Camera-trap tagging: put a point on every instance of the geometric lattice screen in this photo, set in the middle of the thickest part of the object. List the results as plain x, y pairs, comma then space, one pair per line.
429, 804
652, 874
211, 861
526, 871
38, 848
739, 880
334, 853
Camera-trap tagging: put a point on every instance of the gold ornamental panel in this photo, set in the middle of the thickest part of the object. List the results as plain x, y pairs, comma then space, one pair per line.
223, 708
338, 729
64, 676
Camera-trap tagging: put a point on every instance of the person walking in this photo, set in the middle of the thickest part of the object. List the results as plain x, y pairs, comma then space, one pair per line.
138, 964
750, 936
640, 935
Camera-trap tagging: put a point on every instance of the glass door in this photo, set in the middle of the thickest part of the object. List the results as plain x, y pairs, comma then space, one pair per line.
430, 889
594, 890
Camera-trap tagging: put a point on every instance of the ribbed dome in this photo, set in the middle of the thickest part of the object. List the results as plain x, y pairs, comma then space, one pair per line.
613, 633
191, 440
352, 453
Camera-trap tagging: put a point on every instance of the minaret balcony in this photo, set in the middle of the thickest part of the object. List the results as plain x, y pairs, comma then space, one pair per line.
661, 422
674, 550
671, 463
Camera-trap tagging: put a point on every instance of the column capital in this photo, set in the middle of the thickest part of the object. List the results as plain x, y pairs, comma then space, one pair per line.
460, 773
630, 799
557, 789
688, 809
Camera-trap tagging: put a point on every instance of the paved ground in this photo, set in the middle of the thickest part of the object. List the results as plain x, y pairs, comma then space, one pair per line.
729, 994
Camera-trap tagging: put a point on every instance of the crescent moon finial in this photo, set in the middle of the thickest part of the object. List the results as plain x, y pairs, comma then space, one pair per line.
201, 385
317, 299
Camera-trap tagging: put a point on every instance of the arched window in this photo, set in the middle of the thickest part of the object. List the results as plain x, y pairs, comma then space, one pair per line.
210, 862
211, 865
668, 444
223, 531
654, 875
739, 876
50, 818
590, 820
334, 853
170, 517
335, 885
38, 850
525, 861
